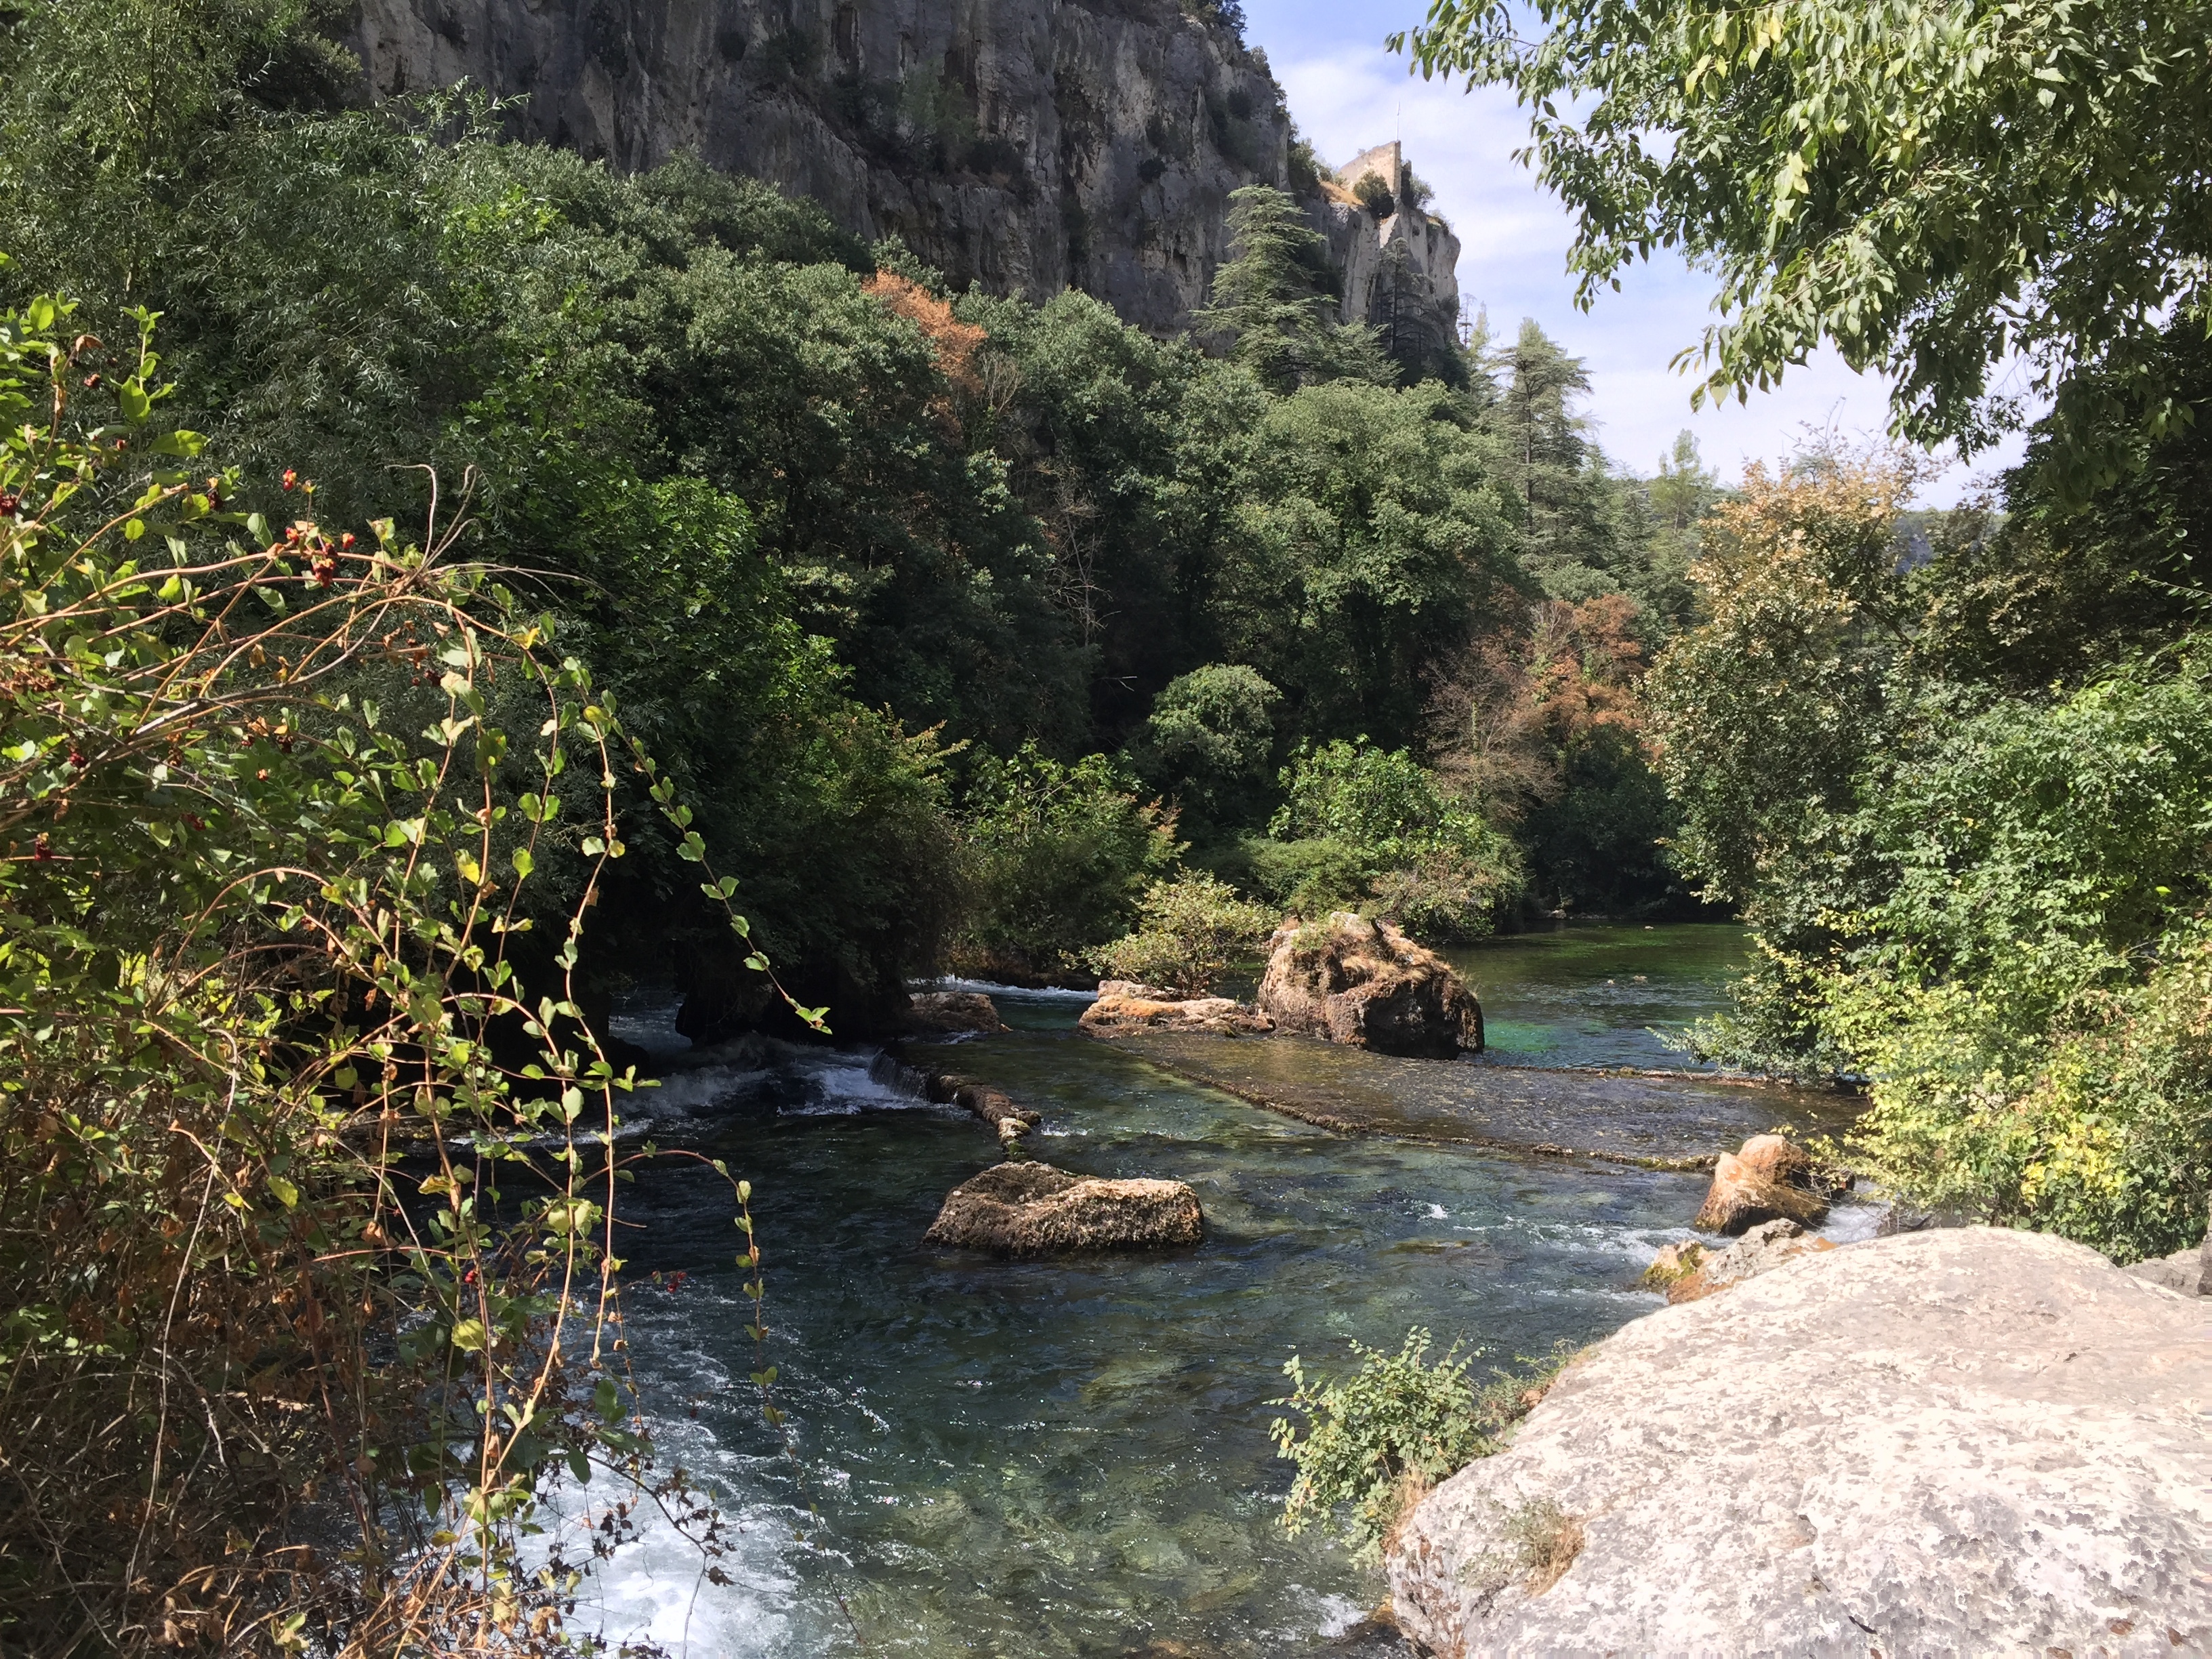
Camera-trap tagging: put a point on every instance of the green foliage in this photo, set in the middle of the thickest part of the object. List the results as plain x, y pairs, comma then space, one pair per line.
1394, 1427
872, 521
1371, 544
1211, 739
2024, 987
1985, 902
1763, 711
1190, 932
1423, 860
1930, 186
307, 1187
1268, 300
1264, 296
1057, 856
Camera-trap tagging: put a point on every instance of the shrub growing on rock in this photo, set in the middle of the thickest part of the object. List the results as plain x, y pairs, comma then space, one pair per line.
1189, 932
1393, 1428
1378, 821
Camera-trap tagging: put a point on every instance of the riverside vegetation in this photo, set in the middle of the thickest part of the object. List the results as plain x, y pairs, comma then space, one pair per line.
969, 632
1952, 767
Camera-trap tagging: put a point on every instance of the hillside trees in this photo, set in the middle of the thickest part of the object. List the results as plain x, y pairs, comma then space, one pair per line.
819, 525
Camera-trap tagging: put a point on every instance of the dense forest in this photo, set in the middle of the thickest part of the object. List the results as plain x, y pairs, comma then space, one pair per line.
369, 475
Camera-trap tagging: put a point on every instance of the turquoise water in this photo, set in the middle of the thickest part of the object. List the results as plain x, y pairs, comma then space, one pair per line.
1070, 1458
1598, 995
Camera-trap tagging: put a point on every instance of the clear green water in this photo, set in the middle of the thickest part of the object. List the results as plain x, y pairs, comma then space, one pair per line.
1070, 1458
1596, 995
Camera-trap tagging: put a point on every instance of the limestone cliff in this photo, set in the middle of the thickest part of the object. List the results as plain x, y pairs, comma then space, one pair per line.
1029, 145
1397, 262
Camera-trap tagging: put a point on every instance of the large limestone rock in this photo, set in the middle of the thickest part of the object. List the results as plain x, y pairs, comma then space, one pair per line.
1033, 1209
1364, 983
1125, 1005
1960, 1443
1768, 1179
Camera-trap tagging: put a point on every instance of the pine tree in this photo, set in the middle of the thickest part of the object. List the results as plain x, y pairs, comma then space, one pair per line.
1265, 295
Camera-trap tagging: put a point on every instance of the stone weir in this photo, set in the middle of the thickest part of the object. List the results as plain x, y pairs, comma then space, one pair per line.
1031, 146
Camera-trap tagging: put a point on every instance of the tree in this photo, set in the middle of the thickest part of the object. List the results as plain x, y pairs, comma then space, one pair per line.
1370, 544
1544, 450
1764, 712
1265, 295
1268, 299
1211, 737
1684, 488
1930, 186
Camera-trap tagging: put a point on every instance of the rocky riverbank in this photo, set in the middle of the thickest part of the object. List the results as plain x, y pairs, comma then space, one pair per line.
1966, 1441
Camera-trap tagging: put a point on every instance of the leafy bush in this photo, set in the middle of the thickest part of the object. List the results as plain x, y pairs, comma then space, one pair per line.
1210, 737
1189, 932
1310, 876
2026, 993
1057, 855
1422, 859
306, 1208
1392, 1428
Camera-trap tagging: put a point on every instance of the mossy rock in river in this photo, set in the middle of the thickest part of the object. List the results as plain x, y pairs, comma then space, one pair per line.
1366, 984
1033, 1209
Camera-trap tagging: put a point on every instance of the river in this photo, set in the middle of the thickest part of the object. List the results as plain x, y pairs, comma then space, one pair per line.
1043, 1460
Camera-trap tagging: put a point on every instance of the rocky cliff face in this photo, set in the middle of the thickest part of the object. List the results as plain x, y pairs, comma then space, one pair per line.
1396, 261
1029, 145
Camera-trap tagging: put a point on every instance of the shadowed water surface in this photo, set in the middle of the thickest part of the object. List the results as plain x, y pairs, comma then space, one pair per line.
1069, 1458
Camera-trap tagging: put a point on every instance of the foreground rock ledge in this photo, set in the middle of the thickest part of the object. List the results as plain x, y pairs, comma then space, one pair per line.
1963, 1442
1033, 1209
1366, 984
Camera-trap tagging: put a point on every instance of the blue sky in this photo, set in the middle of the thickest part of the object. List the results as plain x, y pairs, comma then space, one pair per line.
1346, 94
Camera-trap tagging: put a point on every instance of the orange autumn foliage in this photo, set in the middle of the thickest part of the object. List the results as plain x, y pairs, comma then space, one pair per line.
956, 343
1522, 701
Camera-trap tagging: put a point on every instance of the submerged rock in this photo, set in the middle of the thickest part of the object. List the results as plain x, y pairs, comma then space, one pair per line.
1767, 1179
1968, 1440
1761, 1250
1002, 1112
1032, 1209
946, 1012
1366, 984
1125, 1005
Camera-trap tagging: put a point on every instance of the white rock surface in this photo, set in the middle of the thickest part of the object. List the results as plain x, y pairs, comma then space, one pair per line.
1963, 1442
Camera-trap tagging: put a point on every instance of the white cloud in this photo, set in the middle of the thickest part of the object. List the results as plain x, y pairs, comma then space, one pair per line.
1347, 93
